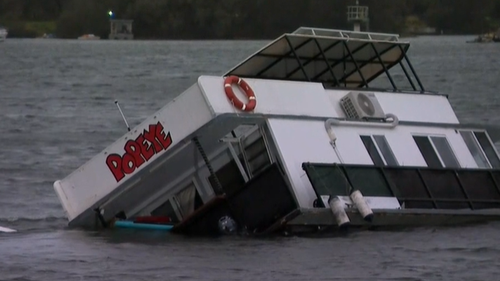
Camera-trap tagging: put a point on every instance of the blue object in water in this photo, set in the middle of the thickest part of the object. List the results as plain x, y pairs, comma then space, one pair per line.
131, 224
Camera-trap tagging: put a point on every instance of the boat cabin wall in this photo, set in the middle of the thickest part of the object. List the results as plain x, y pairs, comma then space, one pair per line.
181, 185
136, 152
253, 154
292, 98
300, 141
180, 181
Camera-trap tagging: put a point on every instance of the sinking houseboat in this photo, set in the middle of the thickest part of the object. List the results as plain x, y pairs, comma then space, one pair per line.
297, 137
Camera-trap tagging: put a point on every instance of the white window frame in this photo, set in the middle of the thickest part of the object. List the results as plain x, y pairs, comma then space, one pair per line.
436, 150
378, 148
481, 149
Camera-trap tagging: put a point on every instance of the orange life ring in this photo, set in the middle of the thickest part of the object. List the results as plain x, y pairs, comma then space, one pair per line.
228, 83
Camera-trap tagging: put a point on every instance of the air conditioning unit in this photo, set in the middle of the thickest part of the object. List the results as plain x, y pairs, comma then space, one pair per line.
362, 105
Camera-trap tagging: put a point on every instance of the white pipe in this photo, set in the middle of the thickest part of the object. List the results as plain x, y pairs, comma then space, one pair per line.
329, 130
338, 211
360, 203
329, 123
394, 123
395, 119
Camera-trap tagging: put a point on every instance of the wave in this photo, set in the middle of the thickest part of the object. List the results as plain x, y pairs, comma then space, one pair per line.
32, 219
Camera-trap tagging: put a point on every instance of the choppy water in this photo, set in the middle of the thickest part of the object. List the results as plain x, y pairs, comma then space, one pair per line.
57, 110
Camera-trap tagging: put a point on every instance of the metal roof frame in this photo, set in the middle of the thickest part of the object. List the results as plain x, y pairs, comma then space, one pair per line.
334, 57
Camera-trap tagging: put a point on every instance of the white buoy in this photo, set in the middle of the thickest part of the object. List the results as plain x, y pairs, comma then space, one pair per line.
360, 203
338, 211
7, 230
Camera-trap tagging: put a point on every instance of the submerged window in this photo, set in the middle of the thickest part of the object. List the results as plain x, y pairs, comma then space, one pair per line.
481, 149
166, 209
436, 151
379, 150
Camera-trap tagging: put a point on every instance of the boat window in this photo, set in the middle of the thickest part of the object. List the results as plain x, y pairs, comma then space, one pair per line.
437, 151
444, 150
185, 199
188, 200
229, 177
425, 147
250, 157
379, 150
475, 149
372, 150
257, 156
385, 149
488, 149
166, 209
181, 204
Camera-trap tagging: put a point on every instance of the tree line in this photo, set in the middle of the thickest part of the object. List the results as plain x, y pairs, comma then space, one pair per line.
241, 19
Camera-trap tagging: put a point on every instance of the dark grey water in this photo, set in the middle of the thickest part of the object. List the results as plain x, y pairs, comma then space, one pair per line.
57, 110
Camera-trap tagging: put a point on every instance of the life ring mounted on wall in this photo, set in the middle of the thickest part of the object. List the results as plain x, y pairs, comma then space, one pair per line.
228, 83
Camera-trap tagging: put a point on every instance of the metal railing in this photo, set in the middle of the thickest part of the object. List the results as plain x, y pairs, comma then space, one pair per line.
347, 34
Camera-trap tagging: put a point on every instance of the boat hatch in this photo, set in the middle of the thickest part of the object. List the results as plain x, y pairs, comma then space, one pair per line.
336, 58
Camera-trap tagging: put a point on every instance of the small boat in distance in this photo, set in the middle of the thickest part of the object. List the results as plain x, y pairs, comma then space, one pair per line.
3, 33
492, 37
89, 37
46, 36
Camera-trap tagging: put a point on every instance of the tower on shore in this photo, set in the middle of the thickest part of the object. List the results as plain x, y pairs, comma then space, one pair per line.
358, 15
121, 30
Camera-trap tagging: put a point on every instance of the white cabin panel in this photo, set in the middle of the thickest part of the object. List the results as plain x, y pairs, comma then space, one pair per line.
349, 146
273, 97
401, 143
278, 97
418, 107
97, 178
400, 140
404, 147
407, 107
301, 141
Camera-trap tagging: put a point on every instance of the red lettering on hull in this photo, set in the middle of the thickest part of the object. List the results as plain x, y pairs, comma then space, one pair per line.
139, 151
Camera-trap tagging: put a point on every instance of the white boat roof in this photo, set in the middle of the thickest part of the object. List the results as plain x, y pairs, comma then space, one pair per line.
338, 57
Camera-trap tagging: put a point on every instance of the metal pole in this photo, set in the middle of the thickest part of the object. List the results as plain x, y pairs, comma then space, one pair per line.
407, 75
312, 59
327, 63
282, 57
355, 64
383, 65
298, 59
412, 69
123, 116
